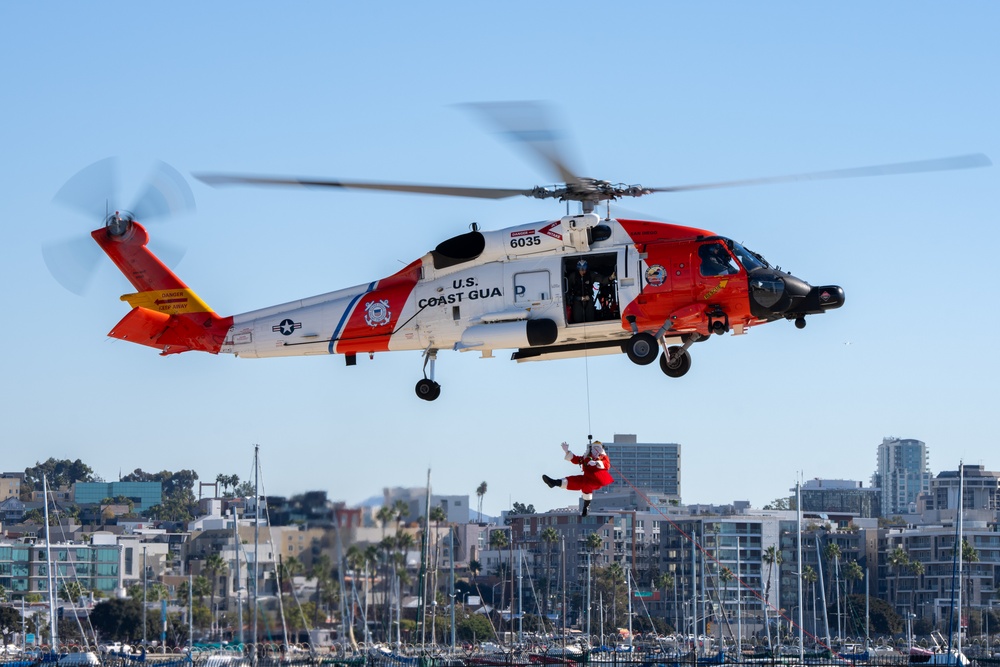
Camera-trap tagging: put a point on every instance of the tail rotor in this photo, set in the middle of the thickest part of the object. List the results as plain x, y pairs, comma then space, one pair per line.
94, 193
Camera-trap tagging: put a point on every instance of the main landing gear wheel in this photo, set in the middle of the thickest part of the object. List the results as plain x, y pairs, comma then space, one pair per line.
428, 390
641, 348
678, 364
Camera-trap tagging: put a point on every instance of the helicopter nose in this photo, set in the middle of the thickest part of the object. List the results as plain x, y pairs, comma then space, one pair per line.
823, 298
776, 294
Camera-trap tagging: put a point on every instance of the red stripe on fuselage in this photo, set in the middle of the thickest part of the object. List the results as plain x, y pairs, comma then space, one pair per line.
377, 313
643, 231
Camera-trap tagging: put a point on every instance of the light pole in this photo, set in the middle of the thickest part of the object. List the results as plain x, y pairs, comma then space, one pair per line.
144, 577
986, 627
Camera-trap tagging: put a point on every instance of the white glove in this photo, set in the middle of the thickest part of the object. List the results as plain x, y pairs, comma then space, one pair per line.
593, 463
565, 447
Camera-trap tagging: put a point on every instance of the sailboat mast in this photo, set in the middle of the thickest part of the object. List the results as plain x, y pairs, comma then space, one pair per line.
53, 620
798, 521
239, 579
256, 538
961, 548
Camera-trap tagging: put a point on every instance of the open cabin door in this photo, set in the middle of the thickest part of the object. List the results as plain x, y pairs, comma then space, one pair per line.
591, 291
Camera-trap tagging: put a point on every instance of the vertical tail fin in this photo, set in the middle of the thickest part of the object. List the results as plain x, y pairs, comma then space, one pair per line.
166, 313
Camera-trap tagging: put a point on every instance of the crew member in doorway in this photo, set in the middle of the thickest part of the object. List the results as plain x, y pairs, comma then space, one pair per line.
581, 293
596, 467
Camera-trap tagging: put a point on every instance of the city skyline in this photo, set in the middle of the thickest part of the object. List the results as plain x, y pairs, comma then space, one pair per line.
494, 510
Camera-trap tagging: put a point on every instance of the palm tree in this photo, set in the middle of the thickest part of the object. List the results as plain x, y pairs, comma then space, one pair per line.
289, 567
917, 568
549, 537
322, 571
666, 581
499, 542
480, 492
853, 574
771, 558
614, 573
898, 560
594, 543
810, 576
831, 552
215, 567
969, 556
437, 515
726, 576
402, 510
385, 514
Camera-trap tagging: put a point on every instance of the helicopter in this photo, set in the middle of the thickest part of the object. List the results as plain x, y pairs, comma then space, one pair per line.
578, 285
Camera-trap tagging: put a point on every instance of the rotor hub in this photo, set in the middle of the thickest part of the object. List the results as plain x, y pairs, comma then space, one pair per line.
118, 223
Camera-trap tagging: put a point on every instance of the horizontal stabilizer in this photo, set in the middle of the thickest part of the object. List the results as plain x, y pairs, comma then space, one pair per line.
204, 331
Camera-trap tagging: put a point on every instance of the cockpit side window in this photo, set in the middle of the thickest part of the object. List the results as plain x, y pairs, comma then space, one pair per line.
716, 261
749, 259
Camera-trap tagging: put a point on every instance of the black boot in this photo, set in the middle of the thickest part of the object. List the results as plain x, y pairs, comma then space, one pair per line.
586, 508
553, 483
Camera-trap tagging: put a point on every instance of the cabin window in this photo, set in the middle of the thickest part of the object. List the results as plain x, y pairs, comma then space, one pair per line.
531, 286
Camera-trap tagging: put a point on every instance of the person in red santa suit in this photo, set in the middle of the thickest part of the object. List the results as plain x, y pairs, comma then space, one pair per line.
596, 467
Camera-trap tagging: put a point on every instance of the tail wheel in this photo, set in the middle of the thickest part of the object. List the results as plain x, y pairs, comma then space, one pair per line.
678, 364
641, 349
428, 390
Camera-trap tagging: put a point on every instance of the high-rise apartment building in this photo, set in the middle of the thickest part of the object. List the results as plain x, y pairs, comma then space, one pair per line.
902, 475
644, 465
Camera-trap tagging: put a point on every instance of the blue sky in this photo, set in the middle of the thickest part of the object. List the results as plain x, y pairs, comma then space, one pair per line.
658, 93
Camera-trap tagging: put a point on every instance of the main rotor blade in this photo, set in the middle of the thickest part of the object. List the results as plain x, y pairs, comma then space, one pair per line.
529, 124
164, 193
972, 161
90, 189
216, 180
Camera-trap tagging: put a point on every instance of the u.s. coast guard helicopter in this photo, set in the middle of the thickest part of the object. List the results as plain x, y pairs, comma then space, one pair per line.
565, 287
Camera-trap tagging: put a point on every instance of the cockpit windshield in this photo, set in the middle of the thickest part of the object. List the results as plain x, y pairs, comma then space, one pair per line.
748, 258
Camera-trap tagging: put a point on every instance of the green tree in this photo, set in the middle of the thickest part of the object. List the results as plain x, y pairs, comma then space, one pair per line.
779, 504
10, 623
810, 577
832, 554
384, 515
898, 561
179, 503
474, 628
609, 583
665, 582
122, 619
772, 558
853, 573
58, 473
521, 508
71, 591
549, 537
480, 492
287, 569
884, 619
917, 569
214, 567
969, 556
